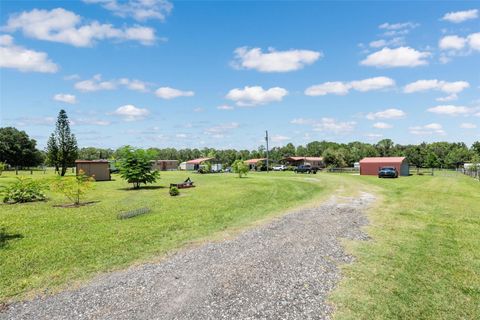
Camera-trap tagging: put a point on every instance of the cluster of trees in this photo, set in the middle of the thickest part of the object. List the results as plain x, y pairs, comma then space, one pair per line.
17, 149
436, 154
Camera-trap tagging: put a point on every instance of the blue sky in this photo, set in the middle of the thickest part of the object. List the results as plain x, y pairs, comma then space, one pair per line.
153, 73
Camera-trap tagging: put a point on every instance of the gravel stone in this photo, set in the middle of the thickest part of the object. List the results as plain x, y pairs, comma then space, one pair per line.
284, 269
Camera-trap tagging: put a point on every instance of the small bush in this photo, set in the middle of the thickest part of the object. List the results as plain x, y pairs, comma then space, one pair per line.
132, 213
240, 167
24, 190
174, 191
74, 188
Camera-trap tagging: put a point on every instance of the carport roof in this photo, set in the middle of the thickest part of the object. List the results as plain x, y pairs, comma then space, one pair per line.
198, 161
383, 159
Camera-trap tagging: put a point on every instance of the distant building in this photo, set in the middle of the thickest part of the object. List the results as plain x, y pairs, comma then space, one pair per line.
98, 169
253, 164
195, 163
164, 165
297, 161
371, 166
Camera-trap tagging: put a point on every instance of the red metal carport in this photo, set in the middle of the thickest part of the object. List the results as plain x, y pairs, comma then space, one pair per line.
371, 166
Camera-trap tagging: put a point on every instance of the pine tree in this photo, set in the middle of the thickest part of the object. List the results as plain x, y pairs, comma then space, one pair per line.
63, 144
52, 152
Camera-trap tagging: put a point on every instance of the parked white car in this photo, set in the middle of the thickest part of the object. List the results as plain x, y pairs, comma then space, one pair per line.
280, 168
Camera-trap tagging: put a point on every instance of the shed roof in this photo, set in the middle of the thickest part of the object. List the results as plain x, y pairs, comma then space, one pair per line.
304, 158
91, 161
198, 161
254, 161
383, 160
162, 160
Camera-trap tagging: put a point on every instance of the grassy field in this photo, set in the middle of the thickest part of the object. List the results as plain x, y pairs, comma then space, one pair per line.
424, 258
48, 247
423, 261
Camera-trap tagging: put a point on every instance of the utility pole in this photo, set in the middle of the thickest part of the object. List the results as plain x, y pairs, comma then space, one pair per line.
266, 139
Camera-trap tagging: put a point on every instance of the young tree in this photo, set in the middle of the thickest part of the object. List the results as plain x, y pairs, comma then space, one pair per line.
136, 168
240, 167
62, 146
74, 188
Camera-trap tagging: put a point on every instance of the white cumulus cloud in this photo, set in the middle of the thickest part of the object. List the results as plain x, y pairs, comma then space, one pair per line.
382, 125
454, 45
256, 95
65, 97
171, 93
95, 84
134, 84
140, 10
274, 61
342, 88
461, 16
327, 124
451, 110
391, 113
398, 57
450, 88
452, 42
60, 25
429, 129
24, 60
129, 112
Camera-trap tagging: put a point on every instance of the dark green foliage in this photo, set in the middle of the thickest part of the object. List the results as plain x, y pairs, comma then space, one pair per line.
92, 153
174, 191
52, 152
62, 147
132, 213
24, 190
17, 149
334, 158
136, 168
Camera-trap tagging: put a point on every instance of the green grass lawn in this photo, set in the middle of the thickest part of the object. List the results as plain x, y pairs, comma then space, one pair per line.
423, 261
424, 258
50, 247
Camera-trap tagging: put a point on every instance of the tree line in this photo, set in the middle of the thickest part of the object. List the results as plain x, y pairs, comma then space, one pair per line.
426, 155
17, 149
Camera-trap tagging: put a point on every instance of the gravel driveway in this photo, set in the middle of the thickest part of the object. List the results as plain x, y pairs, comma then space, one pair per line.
281, 270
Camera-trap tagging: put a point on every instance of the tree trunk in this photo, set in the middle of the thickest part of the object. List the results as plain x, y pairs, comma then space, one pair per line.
64, 170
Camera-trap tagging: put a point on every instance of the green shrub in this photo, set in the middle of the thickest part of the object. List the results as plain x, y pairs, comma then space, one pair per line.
174, 191
24, 190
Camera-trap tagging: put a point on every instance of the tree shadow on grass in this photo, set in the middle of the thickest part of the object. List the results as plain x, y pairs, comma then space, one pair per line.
143, 188
5, 237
